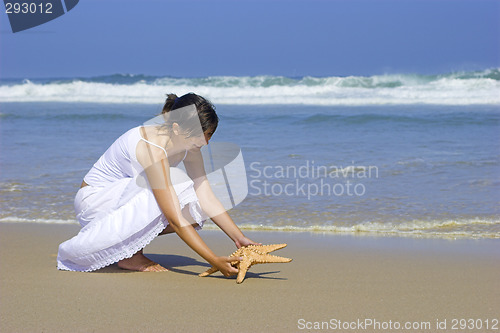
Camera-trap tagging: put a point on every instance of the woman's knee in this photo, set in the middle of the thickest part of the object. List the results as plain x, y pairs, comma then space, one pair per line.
186, 213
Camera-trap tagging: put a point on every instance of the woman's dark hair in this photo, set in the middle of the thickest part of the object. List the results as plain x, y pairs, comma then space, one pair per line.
206, 112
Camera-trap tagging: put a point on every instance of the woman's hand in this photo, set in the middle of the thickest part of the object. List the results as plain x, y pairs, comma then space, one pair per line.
244, 241
224, 265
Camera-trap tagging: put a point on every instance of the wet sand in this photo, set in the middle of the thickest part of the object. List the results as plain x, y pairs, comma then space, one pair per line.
332, 280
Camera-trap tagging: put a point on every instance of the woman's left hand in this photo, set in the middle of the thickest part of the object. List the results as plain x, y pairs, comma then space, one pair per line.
244, 241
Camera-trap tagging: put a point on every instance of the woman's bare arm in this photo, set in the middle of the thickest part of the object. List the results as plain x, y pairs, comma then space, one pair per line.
209, 202
157, 170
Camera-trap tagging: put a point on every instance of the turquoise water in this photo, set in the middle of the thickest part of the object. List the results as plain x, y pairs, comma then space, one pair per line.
416, 169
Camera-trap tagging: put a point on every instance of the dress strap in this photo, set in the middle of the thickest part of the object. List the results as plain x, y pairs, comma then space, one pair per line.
154, 144
151, 143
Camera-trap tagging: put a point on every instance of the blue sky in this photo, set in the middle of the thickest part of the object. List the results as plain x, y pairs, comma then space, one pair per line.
276, 37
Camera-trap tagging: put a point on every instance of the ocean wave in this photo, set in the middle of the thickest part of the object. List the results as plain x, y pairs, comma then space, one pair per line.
464, 88
37, 220
451, 119
470, 228
450, 229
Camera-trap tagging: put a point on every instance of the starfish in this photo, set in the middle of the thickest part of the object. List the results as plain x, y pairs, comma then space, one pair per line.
251, 255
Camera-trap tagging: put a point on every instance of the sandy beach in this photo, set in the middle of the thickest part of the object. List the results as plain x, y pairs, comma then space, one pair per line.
333, 280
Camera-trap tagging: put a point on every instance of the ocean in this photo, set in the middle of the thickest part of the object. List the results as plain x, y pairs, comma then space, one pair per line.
398, 155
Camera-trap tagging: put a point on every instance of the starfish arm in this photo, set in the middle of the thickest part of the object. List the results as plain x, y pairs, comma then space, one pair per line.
268, 258
209, 271
243, 268
212, 270
266, 248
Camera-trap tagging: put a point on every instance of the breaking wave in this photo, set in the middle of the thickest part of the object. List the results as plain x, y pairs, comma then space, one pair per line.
463, 228
464, 88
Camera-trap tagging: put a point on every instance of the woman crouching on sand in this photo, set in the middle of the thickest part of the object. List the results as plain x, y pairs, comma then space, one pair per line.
120, 214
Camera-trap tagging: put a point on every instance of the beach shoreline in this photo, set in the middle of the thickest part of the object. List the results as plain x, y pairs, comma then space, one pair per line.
333, 279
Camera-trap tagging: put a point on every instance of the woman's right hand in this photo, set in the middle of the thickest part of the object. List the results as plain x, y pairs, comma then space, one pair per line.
224, 265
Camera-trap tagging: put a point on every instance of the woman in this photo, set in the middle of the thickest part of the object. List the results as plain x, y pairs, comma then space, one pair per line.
134, 193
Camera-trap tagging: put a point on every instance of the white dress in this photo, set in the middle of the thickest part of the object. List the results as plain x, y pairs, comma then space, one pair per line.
118, 212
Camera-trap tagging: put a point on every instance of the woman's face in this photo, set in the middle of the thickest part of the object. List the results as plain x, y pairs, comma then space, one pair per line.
186, 141
196, 142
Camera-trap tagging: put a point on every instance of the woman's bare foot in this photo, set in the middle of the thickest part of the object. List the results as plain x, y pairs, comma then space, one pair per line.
139, 262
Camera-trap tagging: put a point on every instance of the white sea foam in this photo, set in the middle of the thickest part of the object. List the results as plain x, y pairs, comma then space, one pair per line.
467, 228
451, 89
35, 220
471, 228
